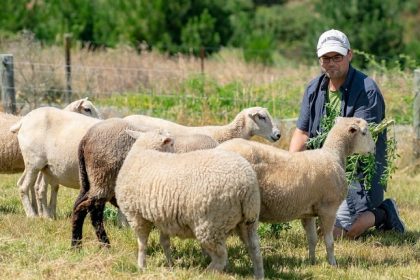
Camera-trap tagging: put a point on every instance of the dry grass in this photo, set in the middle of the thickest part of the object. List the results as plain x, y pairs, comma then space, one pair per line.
40, 249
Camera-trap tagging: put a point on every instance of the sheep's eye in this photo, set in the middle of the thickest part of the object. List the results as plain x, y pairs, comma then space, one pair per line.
261, 117
87, 110
363, 133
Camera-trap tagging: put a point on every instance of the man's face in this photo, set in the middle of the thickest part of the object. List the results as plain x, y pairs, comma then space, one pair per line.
335, 65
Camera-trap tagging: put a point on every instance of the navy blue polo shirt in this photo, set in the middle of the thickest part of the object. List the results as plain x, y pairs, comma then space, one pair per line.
361, 98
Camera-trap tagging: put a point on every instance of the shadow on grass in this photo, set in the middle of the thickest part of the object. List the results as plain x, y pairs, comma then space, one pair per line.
381, 239
187, 254
392, 238
240, 263
9, 209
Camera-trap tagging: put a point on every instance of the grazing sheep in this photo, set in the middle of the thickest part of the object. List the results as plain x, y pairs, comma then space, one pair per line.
203, 194
102, 151
249, 122
306, 184
11, 160
49, 139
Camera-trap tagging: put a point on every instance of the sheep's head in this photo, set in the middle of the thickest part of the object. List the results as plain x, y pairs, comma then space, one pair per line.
158, 139
83, 106
261, 123
358, 130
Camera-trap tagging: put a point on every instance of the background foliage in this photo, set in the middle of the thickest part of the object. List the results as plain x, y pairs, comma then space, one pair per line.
265, 30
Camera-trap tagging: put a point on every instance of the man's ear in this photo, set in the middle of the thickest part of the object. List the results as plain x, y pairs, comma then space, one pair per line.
350, 55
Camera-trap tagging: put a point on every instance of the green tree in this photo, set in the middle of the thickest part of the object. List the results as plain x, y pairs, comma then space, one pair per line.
372, 26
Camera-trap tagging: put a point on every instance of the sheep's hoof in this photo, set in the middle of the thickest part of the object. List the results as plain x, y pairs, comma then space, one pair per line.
76, 244
105, 245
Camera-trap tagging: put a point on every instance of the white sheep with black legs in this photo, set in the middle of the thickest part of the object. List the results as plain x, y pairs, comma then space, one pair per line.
49, 139
249, 122
307, 184
203, 194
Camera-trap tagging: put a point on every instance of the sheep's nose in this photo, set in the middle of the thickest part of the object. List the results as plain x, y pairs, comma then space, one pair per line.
276, 136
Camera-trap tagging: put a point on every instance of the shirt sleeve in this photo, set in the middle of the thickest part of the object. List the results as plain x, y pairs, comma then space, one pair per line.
303, 120
371, 105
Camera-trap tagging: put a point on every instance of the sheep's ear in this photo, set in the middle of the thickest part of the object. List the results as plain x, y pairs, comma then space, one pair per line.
338, 119
133, 133
353, 128
167, 141
79, 104
257, 115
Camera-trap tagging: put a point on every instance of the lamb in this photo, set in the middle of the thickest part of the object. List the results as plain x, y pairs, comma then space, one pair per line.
49, 139
202, 194
306, 184
102, 151
249, 122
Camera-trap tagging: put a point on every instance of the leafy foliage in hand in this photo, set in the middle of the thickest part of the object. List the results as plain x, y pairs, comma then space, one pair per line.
360, 168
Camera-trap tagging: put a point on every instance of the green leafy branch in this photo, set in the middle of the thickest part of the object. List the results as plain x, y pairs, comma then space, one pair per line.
360, 168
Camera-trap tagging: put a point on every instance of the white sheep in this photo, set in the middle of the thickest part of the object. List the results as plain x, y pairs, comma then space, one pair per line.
49, 139
249, 122
11, 160
102, 151
203, 194
307, 184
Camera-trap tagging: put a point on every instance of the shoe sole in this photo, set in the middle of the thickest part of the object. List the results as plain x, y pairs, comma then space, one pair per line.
398, 214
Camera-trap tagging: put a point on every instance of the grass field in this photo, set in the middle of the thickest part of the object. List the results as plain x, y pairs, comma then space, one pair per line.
40, 249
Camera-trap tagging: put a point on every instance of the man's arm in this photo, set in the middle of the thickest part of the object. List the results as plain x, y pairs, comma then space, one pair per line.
298, 141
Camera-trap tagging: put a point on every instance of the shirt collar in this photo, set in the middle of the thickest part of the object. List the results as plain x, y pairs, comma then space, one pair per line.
345, 87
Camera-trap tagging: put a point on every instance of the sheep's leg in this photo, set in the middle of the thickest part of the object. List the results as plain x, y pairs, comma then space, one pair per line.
327, 225
41, 191
121, 218
310, 229
142, 229
97, 217
165, 242
25, 183
53, 200
218, 254
33, 194
34, 200
251, 240
80, 210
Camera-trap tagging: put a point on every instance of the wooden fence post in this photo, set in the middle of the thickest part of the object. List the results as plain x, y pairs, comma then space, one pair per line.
202, 56
7, 83
67, 47
416, 113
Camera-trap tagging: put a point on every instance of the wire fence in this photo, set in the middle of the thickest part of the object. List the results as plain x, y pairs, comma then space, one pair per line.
40, 79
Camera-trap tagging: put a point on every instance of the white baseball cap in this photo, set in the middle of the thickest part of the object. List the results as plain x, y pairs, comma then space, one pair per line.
332, 41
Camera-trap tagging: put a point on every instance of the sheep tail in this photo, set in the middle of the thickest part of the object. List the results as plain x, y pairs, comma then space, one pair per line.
15, 128
84, 178
251, 206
